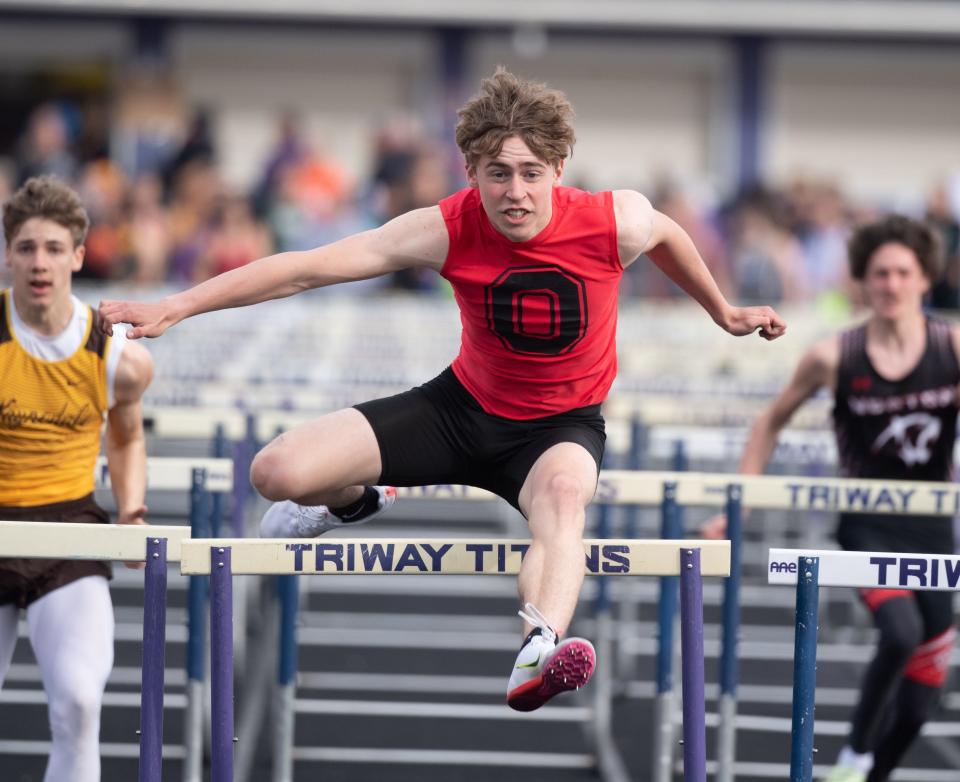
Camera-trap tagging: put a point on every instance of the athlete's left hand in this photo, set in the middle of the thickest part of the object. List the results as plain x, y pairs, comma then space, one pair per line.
746, 320
135, 516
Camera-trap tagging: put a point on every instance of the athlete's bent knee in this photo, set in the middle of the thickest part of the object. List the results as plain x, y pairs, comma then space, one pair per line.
271, 475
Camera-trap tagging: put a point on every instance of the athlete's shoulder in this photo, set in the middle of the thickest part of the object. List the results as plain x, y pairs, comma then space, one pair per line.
566, 196
945, 336
457, 204
634, 215
825, 352
820, 365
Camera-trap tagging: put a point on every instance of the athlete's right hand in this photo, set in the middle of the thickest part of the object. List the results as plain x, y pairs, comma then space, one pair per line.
714, 528
147, 318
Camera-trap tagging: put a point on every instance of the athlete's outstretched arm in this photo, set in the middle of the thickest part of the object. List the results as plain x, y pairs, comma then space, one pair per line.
641, 229
817, 369
416, 239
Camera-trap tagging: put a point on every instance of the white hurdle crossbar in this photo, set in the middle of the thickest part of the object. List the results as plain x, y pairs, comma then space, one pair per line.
396, 556
109, 542
853, 495
809, 570
174, 473
869, 569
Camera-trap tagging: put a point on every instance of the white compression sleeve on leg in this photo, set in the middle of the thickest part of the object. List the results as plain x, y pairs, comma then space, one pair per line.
71, 630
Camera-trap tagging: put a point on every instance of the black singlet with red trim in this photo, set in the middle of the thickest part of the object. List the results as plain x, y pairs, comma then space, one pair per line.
899, 430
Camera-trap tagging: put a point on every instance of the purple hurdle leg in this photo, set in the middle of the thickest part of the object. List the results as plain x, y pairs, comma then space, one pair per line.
221, 665
691, 642
152, 665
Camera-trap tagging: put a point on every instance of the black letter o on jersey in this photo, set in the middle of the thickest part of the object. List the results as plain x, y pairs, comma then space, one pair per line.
537, 310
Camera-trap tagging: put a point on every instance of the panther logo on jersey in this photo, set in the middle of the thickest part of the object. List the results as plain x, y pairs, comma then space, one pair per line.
912, 435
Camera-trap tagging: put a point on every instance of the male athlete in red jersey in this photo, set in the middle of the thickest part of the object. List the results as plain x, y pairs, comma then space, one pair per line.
535, 269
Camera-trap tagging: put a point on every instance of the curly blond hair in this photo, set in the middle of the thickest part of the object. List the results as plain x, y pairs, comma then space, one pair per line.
508, 106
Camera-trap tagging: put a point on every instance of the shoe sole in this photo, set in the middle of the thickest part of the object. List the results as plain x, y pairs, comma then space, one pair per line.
570, 668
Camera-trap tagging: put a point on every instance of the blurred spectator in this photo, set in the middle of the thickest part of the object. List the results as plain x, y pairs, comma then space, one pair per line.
313, 203
148, 242
822, 223
150, 120
423, 184
408, 173
766, 258
45, 146
236, 238
6, 190
289, 150
93, 135
193, 206
103, 188
197, 148
396, 143
942, 213
681, 205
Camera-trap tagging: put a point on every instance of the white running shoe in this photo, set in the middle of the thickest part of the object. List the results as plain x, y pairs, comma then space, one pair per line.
845, 774
287, 519
545, 668
851, 766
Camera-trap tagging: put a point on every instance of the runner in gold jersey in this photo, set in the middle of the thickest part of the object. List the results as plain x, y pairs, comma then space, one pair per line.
59, 379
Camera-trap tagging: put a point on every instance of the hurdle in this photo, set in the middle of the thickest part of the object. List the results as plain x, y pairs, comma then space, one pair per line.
224, 558
808, 570
156, 545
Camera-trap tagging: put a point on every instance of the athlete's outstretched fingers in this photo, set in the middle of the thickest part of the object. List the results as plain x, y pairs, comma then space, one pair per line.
148, 319
105, 321
113, 312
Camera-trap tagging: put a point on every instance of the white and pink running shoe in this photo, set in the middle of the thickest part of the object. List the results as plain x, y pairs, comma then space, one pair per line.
545, 668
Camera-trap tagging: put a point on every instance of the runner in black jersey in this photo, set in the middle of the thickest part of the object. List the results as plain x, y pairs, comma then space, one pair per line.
895, 382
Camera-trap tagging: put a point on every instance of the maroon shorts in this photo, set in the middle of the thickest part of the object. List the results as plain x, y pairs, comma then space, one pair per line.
22, 581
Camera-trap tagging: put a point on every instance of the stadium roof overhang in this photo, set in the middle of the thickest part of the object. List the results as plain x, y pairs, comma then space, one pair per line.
935, 19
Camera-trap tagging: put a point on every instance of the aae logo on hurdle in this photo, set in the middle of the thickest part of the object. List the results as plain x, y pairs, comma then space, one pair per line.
868, 569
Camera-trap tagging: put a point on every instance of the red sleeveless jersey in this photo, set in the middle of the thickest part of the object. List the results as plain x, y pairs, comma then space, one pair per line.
539, 317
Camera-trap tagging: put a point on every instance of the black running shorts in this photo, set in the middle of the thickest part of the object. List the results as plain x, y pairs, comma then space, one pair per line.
437, 433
